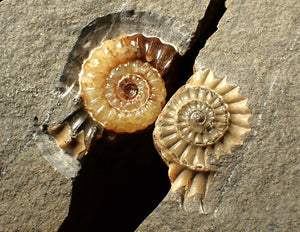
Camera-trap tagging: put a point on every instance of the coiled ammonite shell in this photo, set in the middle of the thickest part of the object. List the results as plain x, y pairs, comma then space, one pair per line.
122, 89
205, 117
121, 82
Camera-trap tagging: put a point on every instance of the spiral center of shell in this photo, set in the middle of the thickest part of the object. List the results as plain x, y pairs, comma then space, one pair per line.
198, 117
127, 88
202, 121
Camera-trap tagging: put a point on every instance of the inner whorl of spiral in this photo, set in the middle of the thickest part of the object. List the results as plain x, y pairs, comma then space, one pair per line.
201, 123
121, 82
128, 89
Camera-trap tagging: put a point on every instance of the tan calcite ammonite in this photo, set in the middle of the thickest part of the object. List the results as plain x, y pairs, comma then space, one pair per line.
122, 88
121, 82
207, 116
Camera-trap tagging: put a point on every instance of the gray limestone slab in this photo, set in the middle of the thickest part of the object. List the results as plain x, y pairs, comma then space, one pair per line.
33, 197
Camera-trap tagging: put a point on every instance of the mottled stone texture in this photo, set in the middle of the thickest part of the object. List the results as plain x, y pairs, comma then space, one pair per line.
256, 47
32, 196
36, 38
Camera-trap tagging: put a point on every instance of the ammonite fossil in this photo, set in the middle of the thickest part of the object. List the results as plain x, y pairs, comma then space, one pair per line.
121, 82
205, 117
122, 89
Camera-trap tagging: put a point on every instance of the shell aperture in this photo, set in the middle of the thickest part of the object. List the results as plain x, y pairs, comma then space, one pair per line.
207, 116
121, 82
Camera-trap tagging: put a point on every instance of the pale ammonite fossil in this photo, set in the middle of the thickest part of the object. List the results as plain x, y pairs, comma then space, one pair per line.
205, 117
122, 89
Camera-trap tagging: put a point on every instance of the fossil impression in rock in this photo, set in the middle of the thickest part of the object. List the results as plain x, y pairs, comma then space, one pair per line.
205, 117
121, 87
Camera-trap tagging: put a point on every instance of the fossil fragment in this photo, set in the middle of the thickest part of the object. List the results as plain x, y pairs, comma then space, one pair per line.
205, 117
74, 135
121, 87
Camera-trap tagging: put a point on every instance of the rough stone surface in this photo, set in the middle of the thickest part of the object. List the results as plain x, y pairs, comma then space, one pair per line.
256, 47
32, 196
35, 41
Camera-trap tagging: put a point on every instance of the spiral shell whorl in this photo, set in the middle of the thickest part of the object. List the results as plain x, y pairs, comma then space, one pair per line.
121, 82
203, 119
206, 116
